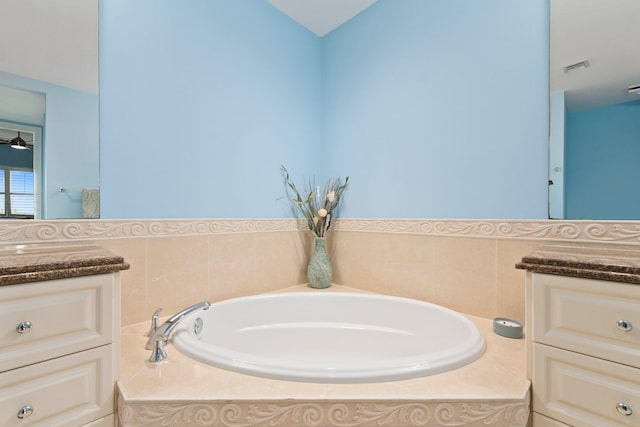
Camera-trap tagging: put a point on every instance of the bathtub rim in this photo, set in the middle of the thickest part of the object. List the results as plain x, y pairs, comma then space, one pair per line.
404, 368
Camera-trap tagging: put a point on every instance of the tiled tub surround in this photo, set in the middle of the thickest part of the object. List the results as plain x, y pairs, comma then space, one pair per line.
465, 265
493, 390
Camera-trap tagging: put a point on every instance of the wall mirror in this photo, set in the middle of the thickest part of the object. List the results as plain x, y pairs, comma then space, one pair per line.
595, 110
49, 99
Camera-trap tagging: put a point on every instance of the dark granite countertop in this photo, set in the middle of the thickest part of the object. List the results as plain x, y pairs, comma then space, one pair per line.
34, 263
618, 264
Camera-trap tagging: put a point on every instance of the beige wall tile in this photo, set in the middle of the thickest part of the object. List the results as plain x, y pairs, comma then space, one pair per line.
471, 275
410, 266
302, 246
510, 296
232, 265
366, 256
339, 254
475, 275
134, 293
281, 260
465, 275
177, 272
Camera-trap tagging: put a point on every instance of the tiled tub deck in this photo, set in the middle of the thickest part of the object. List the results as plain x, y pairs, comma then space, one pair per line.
180, 391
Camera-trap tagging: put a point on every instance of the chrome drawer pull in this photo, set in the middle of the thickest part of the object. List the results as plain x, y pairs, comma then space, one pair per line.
624, 325
624, 409
24, 327
25, 412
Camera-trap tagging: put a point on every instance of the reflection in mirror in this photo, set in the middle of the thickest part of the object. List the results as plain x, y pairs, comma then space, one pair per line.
21, 123
595, 111
19, 172
49, 87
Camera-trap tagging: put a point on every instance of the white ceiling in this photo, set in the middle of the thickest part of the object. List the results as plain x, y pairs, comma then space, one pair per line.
604, 32
55, 41
607, 34
321, 16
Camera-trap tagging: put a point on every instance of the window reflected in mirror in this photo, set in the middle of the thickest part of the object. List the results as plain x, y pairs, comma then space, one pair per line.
21, 124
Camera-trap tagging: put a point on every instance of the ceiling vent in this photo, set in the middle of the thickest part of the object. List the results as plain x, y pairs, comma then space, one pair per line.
634, 89
577, 66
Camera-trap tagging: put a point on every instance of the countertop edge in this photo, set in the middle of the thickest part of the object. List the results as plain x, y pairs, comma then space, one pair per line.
584, 273
598, 262
61, 273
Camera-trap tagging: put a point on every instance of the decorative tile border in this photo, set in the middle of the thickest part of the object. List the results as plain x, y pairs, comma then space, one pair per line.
323, 413
57, 230
575, 231
14, 231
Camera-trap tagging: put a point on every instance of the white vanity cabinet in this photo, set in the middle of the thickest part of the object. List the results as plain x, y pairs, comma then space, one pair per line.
584, 351
59, 351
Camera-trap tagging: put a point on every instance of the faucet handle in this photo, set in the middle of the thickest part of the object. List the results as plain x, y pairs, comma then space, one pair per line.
159, 353
154, 321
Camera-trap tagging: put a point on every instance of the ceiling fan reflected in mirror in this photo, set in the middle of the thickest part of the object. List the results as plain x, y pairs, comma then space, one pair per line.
17, 142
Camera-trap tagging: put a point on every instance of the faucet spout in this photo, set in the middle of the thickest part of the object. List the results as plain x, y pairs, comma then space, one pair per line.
161, 333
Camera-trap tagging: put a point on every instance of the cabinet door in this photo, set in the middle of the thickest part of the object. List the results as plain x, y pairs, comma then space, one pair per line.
43, 320
588, 316
584, 391
68, 391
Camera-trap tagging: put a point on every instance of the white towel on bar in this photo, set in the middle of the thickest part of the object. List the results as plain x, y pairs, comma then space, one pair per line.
91, 203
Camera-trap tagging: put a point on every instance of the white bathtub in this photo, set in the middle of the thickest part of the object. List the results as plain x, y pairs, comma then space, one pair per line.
330, 337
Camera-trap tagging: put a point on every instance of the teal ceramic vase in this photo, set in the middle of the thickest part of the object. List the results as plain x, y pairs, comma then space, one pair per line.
319, 270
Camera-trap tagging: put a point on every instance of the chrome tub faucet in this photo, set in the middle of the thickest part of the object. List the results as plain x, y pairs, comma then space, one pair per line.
159, 335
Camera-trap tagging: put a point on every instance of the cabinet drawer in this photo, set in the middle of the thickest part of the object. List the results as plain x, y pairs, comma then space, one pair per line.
66, 316
583, 315
584, 391
68, 391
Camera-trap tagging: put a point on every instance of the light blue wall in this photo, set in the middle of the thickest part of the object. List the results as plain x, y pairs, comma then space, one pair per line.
201, 102
602, 163
70, 144
434, 108
439, 108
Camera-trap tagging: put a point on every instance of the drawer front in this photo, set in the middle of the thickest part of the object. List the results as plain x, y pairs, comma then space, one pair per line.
584, 391
582, 315
64, 316
69, 391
